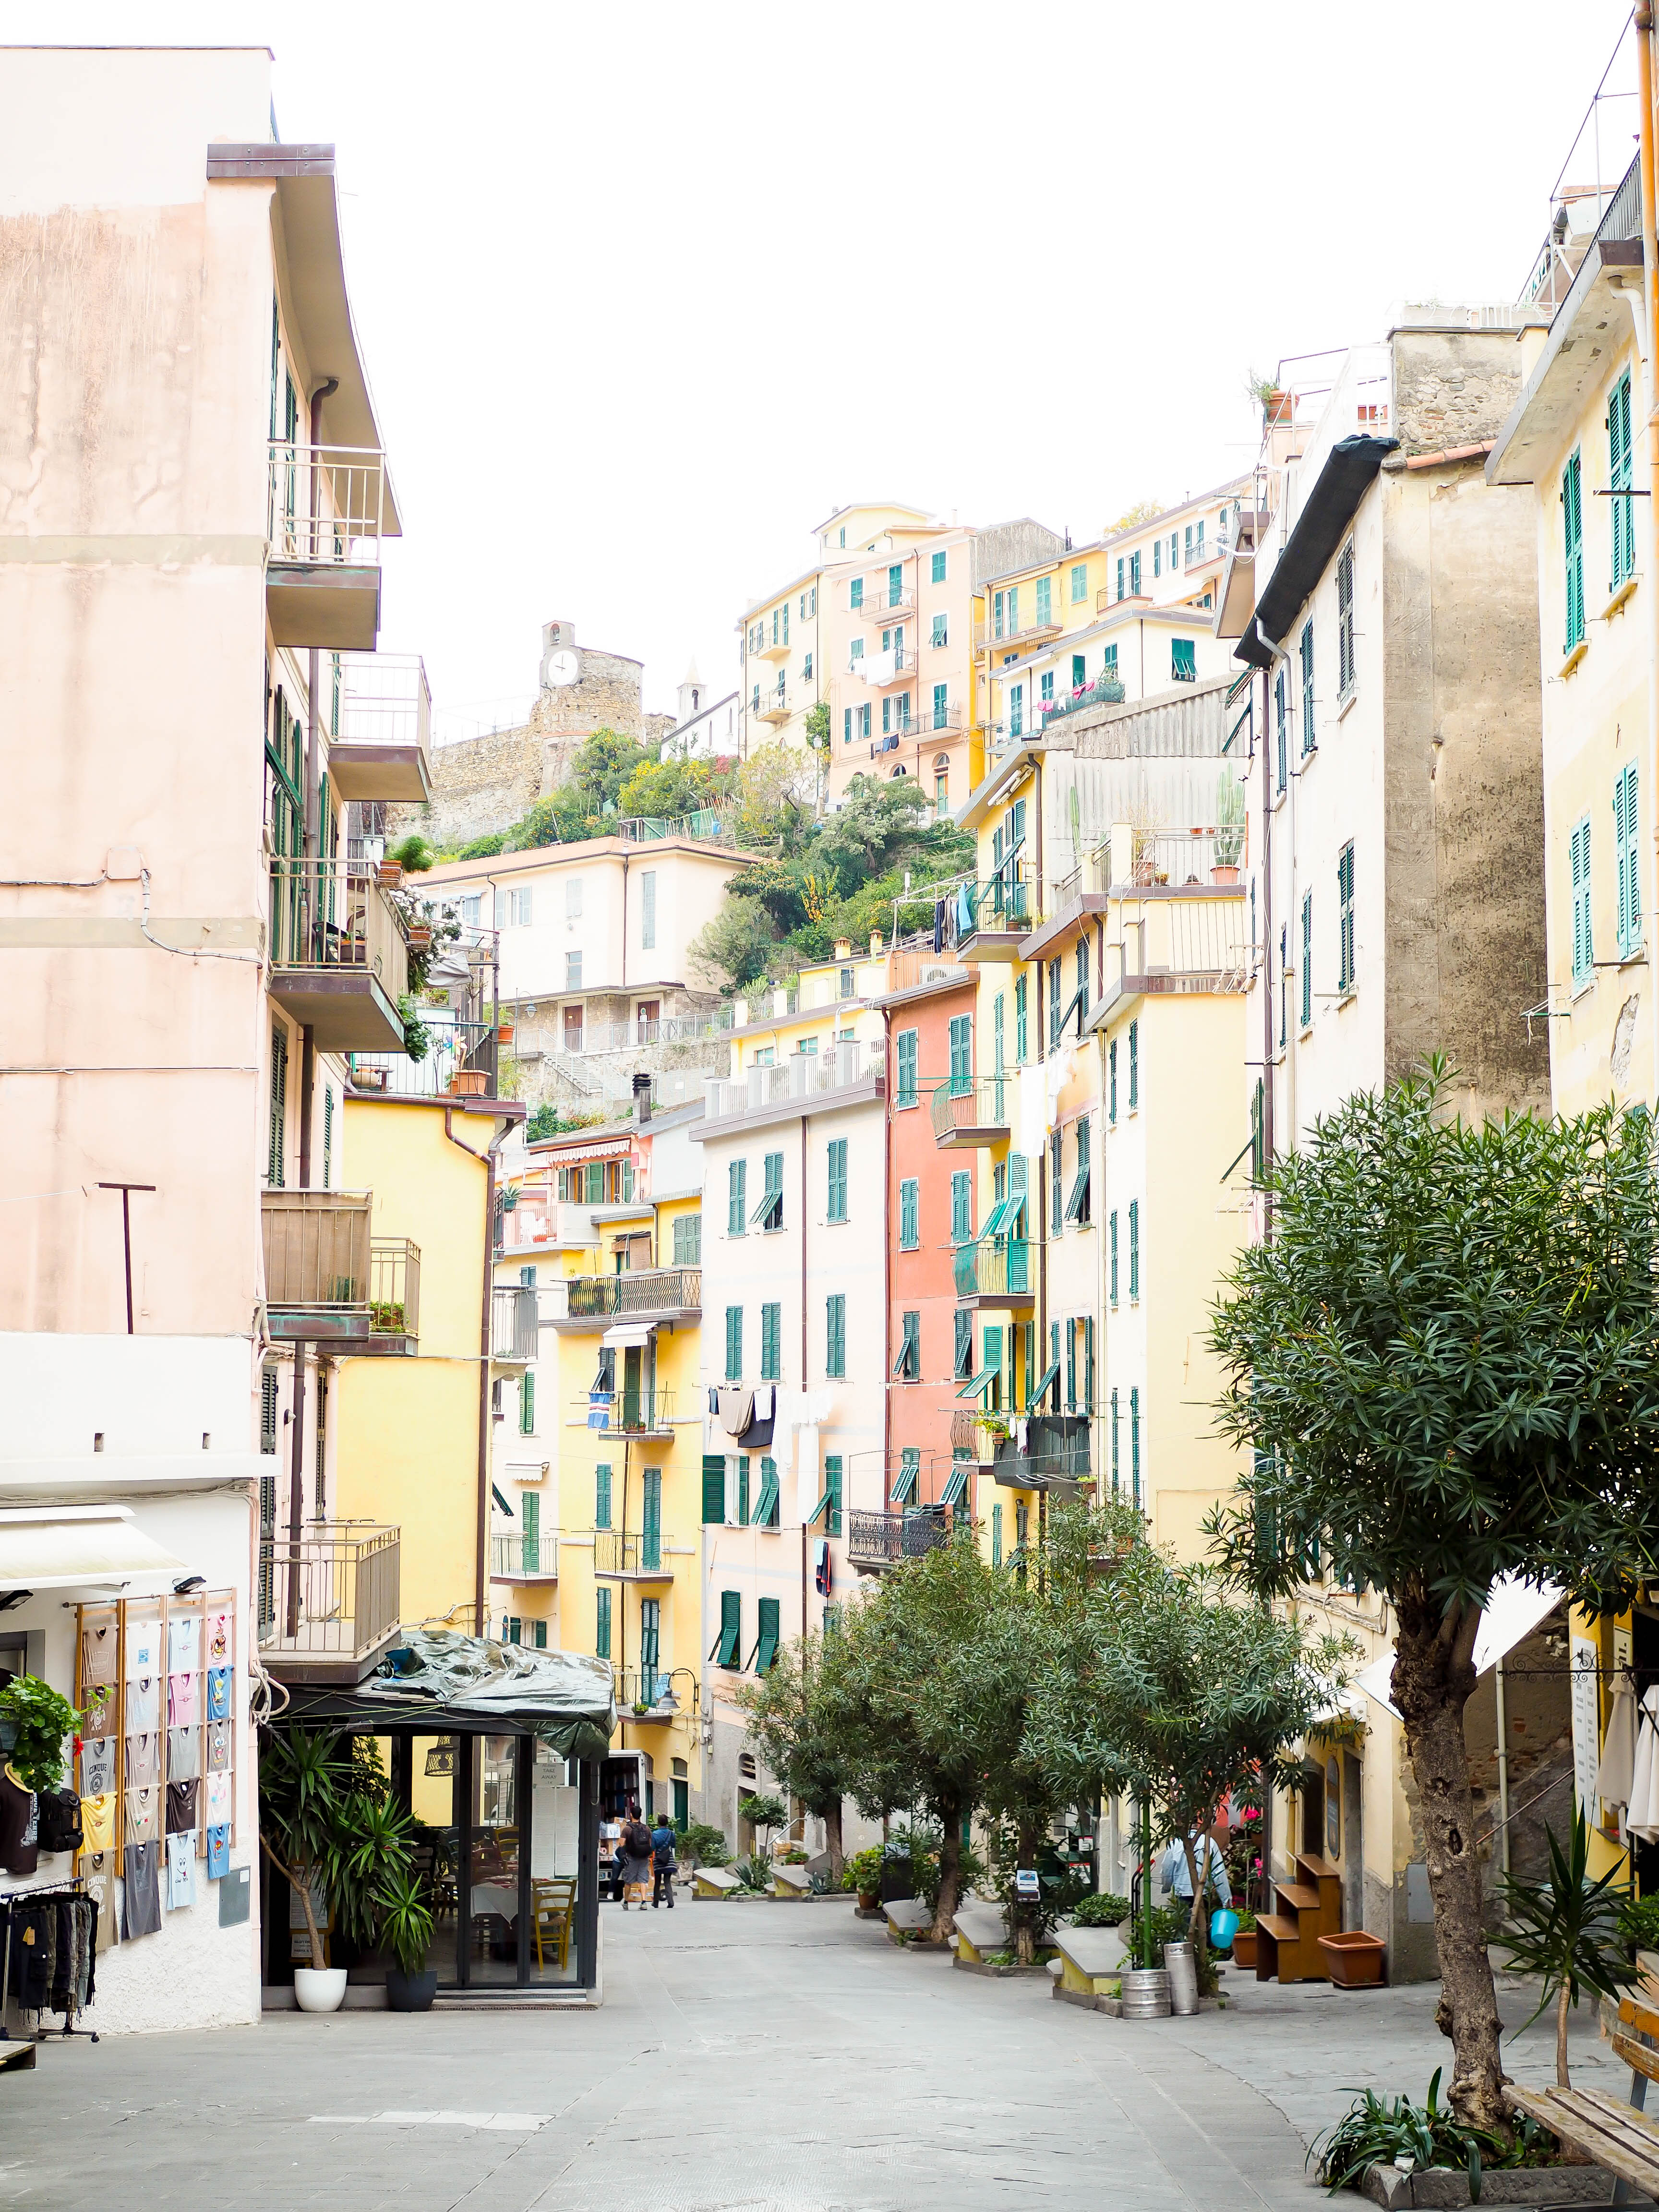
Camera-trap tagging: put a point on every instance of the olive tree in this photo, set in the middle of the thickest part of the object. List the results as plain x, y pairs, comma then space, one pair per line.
799, 1722
1445, 1366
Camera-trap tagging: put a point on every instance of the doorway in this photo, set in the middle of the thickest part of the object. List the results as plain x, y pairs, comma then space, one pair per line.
1313, 1812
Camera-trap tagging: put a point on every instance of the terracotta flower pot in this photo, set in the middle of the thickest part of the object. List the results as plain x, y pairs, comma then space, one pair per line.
468, 1083
1245, 1948
1222, 874
505, 1033
1353, 1960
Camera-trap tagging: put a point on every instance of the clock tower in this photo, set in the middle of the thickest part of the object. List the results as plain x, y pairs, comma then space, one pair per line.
562, 665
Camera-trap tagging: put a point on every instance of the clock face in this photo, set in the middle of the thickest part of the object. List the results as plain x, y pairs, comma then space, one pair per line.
562, 666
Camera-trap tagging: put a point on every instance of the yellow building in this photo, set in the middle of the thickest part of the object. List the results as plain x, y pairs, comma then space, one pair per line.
406, 1434
1573, 435
598, 1429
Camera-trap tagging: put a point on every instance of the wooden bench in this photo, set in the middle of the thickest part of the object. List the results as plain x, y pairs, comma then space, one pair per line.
1613, 2135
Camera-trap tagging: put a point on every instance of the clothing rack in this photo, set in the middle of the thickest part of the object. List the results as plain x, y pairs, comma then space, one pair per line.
42, 1893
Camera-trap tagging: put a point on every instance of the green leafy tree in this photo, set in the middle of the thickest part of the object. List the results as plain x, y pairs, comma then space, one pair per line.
1444, 1367
735, 948
815, 723
798, 1718
1161, 1687
1569, 1931
666, 789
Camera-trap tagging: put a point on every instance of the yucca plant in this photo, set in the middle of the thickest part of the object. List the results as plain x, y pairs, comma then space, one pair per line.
1570, 1932
1394, 2131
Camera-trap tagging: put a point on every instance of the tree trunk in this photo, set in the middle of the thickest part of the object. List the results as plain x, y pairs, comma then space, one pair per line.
1433, 1677
832, 1839
1561, 2001
1027, 1912
950, 1869
1197, 1920
300, 1878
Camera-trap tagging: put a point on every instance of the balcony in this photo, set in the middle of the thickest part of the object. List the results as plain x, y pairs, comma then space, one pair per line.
846, 1067
772, 649
326, 515
772, 706
1105, 691
380, 743
1015, 636
997, 1271
881, 671
518, 1557
648, 1687
968, 1115
1055, 1457
623, 1558
328, 1601
875, 1541
513, 1324
643, 1412
882, 604
974, 1436
655, 1294
338, 962
993, 917
318, 1265
394, 1295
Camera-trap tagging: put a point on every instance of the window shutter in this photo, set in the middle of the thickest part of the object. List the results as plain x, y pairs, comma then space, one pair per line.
909, 1206
602, 1624
1307, 958
962, 1364
527, 1406
766, 1647
771, 1343
734, 1344
274, 1166
1112, 1243
728, 1651
602, 1494
832, 1483
736, 1179
909, 1045
837, 1157
714, 1488
651, 1539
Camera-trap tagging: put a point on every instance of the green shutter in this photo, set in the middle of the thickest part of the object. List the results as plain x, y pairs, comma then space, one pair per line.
1307, 958
1307, 688
771, 1369
909, 1044
734, 1344
530, 1521
1619, 477
1625, 846
963, 1363
602, 1624
1134, 1247
835, 1350
743, 1490
832, 1491
602, 1496
1572, 534
961, 1207
837, 1165
766, 1505
766, 1644
1112, 1263
909, 1215
737, 1178
1134, 1066
277, 1146
650, 1538
962, 1055
527, 1404
996, 1536
714, 1488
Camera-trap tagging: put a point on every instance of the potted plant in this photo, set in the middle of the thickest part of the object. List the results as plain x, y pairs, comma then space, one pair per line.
864, 1876
303, 1779
1230, 828
468, 1083
36, 1723
405, 1918
1244, 1939
505, 1032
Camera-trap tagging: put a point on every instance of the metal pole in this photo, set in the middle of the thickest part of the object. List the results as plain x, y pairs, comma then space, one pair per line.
1503, 1762
126, 1235
1146, 1880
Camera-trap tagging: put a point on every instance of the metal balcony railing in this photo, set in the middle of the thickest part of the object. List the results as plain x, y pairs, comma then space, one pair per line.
1004, 905
648, 1687
333, 1590
771, 706
881, 601
642, 1411
962, 1103
974, 1436
1105, 691
327, 503
617, 1553
1056, 1449
1024, 629
885, 1539
996, 1267
317, 1249
329, 915
516, 1557
513, 1324
394, 1287
379, 700
646, 1290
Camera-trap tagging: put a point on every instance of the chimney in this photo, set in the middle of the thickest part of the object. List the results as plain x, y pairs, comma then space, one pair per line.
642, 1096
843, 948
875, 944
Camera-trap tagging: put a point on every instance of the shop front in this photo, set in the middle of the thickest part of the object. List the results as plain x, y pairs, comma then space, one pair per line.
494, 1752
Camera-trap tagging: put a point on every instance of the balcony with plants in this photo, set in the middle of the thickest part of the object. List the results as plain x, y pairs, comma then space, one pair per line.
339, 961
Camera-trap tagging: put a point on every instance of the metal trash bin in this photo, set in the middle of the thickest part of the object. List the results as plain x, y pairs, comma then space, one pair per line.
1144, 1993
1182, 1969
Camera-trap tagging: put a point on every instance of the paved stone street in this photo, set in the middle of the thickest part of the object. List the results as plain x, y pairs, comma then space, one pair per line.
747, 2057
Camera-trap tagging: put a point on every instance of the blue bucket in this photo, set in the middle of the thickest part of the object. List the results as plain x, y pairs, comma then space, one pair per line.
1224, 1926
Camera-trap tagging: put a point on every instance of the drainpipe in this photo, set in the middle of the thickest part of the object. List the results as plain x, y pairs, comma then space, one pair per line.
296, 1490
1266, 959
1503, 1762
1650, 338
310, 823
803, 1352
308, 1083
488, 1156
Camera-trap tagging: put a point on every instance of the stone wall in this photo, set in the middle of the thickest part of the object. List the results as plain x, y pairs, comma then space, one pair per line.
482, 785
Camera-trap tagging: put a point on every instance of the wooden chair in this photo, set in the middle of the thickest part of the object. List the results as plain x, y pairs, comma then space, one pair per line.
554, 1905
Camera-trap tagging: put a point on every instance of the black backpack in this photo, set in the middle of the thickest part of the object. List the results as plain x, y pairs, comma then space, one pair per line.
59, 1812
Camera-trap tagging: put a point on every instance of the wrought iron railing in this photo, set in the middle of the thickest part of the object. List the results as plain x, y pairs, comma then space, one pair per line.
1056, 1448
996, 1267
617, 1553
771, 706
317, 1249
394, 1286
881, 601
963, 1103
333, 914
1004, 903
645, 1412
887, 1538
327, 503
333, 1589
512, 1323
649, 1290
975, 1437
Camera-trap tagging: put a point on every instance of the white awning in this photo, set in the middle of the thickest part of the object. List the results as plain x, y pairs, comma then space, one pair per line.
67, 1547
1513, 1609
630, 1333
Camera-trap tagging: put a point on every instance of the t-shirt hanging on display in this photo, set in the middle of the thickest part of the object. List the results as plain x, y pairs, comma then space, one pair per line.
218, 1705
218, 1801
218, 1736
182, 1694
143, 1704
99, 1648
143, 1758
181, 1871
20, 1825
184, 1753
183, 1643
97, 1765
140, 1884
181, 1808
98, 1822
143, 1649
144, 1815
221, 1648
103, 1710
218, 1852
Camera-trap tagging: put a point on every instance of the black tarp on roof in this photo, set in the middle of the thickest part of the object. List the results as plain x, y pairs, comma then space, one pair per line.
1326, 514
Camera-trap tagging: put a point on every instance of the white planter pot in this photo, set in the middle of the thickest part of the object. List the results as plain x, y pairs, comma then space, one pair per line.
319, 1988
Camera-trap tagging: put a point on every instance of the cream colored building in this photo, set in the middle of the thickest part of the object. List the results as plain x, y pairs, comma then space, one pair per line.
194, 499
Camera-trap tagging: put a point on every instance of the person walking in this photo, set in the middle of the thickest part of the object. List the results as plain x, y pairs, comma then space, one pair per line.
1175, 1876
662, 1861
636, 1859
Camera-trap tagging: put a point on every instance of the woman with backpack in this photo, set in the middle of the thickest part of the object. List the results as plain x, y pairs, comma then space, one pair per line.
636, 1860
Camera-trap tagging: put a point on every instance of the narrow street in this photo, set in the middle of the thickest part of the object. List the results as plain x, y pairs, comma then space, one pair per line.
746, 2058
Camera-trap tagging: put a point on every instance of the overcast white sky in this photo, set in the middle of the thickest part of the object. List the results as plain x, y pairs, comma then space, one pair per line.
647, 290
